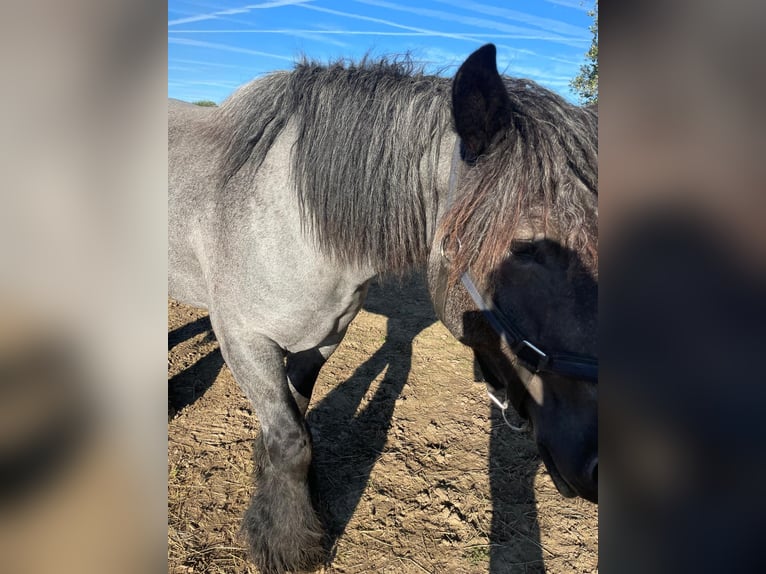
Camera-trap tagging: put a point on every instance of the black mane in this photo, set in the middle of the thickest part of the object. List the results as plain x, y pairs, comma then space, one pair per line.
365, 156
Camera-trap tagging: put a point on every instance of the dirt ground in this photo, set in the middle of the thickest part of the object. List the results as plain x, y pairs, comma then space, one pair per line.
418, 473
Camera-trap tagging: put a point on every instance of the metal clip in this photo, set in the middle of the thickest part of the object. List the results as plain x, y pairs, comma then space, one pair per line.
504, 407
531, 355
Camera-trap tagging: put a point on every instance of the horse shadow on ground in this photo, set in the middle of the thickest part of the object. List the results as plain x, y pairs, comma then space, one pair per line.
515, 534
347, 443
187, 386
350, 442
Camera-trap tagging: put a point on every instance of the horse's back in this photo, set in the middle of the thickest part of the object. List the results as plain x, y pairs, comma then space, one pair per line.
190, 183
185, 124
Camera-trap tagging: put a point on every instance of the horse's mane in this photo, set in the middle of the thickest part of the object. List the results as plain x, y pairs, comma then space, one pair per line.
543, 174
366, 153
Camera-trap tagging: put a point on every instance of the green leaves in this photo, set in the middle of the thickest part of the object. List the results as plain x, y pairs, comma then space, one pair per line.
585, 84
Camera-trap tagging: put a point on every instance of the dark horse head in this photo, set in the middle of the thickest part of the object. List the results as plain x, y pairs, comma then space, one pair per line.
513, 267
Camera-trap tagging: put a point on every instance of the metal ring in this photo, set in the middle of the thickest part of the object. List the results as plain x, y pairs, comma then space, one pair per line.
442, 251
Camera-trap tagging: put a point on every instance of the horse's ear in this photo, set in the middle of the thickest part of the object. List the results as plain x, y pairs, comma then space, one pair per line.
480, 104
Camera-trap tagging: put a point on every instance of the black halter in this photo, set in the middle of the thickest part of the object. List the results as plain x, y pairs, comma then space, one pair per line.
530, 357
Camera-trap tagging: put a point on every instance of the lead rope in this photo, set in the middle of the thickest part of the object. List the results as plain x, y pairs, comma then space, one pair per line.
503, 408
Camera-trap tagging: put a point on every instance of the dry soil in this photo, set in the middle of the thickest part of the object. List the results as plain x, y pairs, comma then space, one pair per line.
417, 471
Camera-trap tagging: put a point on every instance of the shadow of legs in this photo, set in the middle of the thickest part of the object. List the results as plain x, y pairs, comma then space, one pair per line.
187, 386
188, 331
349, 444
191, 383
515, 536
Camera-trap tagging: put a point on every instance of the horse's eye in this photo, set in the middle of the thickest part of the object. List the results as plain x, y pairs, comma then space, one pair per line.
524, 249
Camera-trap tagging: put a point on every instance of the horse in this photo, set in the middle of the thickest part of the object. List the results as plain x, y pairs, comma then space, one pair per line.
285, 202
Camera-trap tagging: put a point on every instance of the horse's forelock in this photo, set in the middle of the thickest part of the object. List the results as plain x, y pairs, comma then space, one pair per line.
541, 177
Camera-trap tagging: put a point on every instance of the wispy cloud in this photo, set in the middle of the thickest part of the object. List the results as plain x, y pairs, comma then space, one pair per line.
539, 74
438, 58
297, 32
191, 16
202, 63
231, 11
533, 54
215, 84
576, 4
422, 31
226, 48
315, 35
547, 24
544, 44
517, 31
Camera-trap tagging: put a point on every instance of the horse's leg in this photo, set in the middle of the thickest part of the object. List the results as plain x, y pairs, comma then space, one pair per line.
282, 527
302, 370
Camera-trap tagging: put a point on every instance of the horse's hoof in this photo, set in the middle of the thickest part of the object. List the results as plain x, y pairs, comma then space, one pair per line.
282, 528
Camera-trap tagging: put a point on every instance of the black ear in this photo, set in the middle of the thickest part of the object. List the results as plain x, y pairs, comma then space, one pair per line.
480, 105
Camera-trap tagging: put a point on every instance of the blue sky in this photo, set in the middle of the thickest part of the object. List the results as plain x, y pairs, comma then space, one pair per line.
214, 47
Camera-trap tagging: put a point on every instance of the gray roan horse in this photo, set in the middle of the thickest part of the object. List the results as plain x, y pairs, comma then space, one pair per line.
304, 185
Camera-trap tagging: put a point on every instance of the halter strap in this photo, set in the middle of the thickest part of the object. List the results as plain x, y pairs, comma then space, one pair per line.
530, 357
